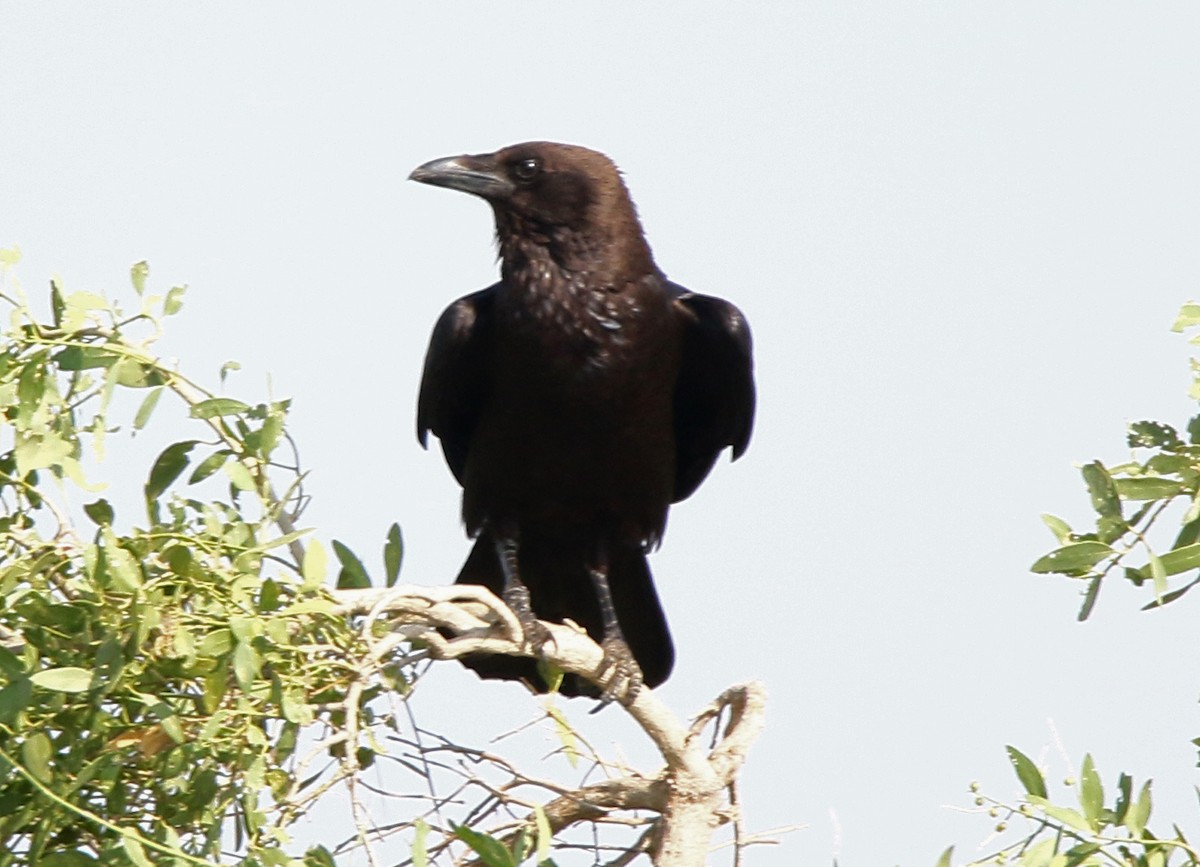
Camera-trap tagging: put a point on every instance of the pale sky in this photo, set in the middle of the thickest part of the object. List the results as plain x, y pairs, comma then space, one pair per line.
959, 231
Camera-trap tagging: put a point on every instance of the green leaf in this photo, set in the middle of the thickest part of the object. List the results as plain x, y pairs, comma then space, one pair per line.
1027, 772
1148, 488
246, 665
1139, 813
551, 674
35, 753
227, 367
1166, 464
310, 605
545, 835
56, 302
316, 566
393, 554
294, 708
209, 465
353, 574
1109, 530
174, 300
1159, 573
171, 724
79, 306
1173, 562
1091, 793
39, 452
1102, 490
135, 851
1089, 599
319, 856
1070, 818
1078, 855
566, 735
1189, 315
216, 684
122, 569
420, 852
1060, 529
31, 387
11, 665
137, 275
217, 406
216, 643
100, 512
490, 850
68, 679
1076, 557
520, 846
85, 358
269, 436
146, 409
136, 374
286, 539
14, 698
1168, 598
1153, 435
245, 628
1040, 854
393, 678
1189, 533
172, 462
240, 476
1181, 559
1124, 790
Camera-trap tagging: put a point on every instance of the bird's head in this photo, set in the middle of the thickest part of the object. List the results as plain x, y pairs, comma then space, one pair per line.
566, 198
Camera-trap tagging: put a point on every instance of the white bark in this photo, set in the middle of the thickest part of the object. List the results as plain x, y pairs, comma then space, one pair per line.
689, 792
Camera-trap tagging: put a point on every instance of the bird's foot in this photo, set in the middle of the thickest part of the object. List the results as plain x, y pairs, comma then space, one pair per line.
535, 635
619, 672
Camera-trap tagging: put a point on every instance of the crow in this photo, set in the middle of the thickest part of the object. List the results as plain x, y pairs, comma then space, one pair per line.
575, 400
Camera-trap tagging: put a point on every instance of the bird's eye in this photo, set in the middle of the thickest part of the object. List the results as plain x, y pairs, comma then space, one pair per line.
527, 169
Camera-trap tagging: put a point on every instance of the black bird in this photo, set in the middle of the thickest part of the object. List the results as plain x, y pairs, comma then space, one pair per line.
575, 400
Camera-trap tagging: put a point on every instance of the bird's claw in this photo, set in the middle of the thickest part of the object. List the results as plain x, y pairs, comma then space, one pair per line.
619, 672
534, 634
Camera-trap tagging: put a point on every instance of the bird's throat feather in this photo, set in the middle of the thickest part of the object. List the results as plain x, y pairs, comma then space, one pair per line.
556, 296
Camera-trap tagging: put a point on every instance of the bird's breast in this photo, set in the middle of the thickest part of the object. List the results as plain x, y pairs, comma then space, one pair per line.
582, 327
579, 425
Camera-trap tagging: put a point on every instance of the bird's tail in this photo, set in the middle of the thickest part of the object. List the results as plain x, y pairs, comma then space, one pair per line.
560, 588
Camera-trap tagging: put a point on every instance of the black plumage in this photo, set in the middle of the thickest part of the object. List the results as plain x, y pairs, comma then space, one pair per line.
575, 400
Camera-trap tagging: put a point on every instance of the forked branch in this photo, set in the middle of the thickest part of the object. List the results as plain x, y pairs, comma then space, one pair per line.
688, 794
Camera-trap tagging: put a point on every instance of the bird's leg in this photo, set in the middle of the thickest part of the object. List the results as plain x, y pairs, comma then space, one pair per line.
516, 594
619, 668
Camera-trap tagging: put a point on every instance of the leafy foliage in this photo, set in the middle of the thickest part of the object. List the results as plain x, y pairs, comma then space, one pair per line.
184, 678
1130, 501
1088, 833
157, 671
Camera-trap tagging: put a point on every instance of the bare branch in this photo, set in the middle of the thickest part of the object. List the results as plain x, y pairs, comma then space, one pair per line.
692, 795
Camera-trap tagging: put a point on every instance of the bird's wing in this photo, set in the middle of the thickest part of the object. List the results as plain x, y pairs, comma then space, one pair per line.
714, 396
457, 376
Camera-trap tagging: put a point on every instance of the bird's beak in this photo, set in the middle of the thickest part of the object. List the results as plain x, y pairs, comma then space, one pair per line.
470, 174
